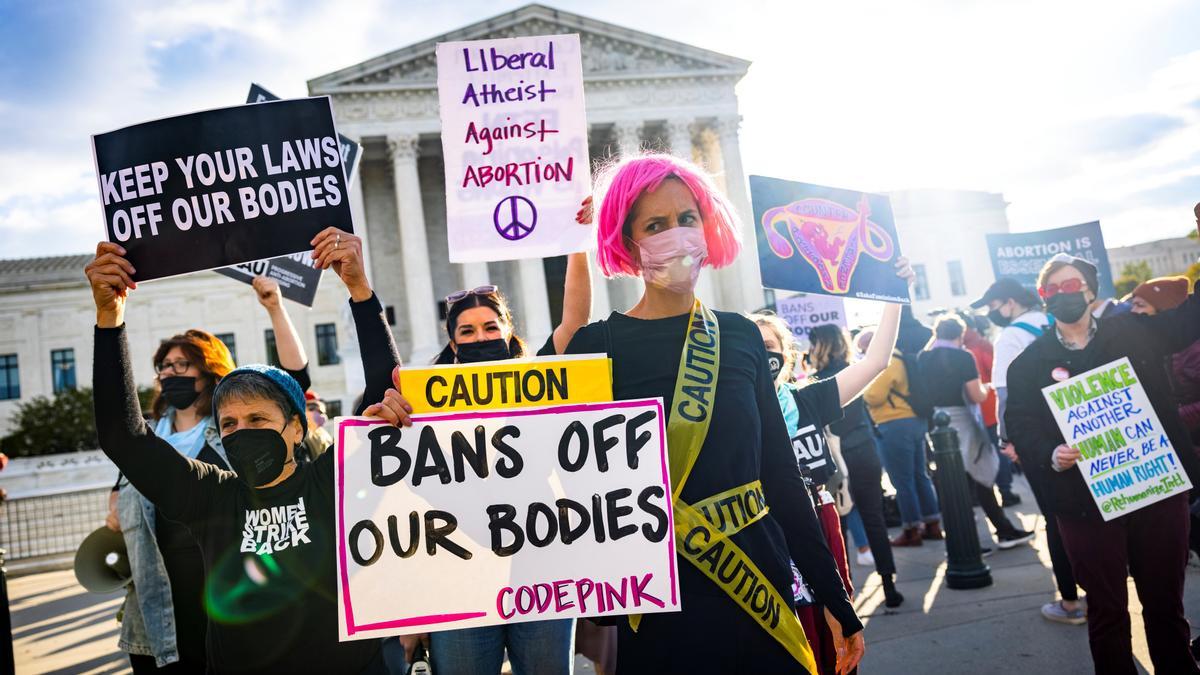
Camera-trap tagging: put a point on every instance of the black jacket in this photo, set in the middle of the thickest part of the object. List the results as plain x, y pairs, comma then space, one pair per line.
1146, 340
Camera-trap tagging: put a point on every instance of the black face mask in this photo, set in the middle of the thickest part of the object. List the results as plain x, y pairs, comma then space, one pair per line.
179, 391
1067, 307
998, 319
775, 363
257, 455
486, 350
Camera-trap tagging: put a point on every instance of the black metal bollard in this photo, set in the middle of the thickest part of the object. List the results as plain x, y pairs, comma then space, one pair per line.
6, 645
964, 559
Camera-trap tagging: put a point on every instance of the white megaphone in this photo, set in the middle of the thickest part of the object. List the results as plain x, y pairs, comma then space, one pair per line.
102, 563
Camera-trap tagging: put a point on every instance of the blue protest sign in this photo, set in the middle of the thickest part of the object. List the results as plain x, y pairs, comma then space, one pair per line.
825, 240
1020, 255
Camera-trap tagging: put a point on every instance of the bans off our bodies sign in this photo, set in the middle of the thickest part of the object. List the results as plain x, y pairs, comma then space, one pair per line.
1126, 457
503, 516
514, 139
222, 187
518, 383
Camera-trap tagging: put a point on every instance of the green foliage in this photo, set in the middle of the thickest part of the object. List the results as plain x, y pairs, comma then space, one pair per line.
44, 425
1138, 271
1193, 272
1124, 285
65, 422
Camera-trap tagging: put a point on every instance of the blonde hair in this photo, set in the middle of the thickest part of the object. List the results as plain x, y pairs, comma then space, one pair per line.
787, 342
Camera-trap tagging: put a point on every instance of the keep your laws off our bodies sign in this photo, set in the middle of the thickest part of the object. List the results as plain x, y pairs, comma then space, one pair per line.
492, 515
514, 139
222, 187
1125, 455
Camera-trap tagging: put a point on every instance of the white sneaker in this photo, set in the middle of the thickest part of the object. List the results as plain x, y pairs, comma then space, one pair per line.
865, 559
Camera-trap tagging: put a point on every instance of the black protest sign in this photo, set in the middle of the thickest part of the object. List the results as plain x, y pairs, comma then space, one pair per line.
350, 149
297, 277
222, 187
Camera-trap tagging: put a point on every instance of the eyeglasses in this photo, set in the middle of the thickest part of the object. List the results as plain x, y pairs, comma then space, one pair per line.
1069, 286
454, 297
178, 367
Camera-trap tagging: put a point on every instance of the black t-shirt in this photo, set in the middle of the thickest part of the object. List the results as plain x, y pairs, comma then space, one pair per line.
854, 429
944, 372
818, 405
271, 589
747, 441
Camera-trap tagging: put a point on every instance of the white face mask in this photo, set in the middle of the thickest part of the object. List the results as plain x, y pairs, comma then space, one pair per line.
672, 259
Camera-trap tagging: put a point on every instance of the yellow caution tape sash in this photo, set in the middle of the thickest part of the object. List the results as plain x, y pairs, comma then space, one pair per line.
518, 383
703, 531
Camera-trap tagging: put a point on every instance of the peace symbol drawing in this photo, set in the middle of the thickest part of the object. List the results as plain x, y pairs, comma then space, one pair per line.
515, 217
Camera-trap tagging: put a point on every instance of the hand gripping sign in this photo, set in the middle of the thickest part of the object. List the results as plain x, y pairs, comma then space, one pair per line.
486, 517
1125, 456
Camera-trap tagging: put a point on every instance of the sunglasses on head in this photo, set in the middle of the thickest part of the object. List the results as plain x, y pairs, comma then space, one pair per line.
1069, 286
487, 289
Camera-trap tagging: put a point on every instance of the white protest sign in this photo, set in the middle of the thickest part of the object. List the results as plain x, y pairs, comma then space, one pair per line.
1126, 457
802, 312
514, 140
492, 517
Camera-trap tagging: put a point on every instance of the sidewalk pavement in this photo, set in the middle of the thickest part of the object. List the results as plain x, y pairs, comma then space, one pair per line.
998, 629
60, 628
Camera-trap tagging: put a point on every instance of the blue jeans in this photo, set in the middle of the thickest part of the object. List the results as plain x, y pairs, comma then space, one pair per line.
902, 445
541, 647
852, 523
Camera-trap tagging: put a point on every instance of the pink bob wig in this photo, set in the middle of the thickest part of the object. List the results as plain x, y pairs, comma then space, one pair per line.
621, 183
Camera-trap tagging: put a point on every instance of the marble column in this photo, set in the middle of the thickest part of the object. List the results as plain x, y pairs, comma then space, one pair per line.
679, 136
534, 320
414, 253
626, 291
743, 276
358, 211
348, 347
629, 136
473, 275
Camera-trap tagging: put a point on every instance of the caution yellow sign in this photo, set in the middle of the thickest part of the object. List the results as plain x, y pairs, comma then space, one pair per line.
521, 383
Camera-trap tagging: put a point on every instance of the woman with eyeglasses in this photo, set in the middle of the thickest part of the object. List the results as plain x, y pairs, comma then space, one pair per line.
1149, 543
165, 622
479, 327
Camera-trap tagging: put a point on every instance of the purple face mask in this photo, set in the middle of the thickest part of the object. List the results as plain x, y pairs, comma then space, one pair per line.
671, 260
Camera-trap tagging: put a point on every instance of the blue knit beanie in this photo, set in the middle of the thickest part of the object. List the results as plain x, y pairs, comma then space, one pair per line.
286, 383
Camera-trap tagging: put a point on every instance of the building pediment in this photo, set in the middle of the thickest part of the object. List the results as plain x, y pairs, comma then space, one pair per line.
610, 52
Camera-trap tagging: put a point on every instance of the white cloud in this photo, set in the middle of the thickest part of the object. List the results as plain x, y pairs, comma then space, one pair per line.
875, 95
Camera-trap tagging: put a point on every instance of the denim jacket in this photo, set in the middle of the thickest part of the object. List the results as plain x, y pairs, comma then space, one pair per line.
148, 615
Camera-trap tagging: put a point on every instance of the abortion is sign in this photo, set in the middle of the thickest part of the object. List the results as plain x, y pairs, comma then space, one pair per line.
1125, 455
1021, 255
514, 139
816, 239
222, 187
503, 516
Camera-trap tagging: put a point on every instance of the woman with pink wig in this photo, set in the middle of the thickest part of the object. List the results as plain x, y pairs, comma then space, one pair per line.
661, 218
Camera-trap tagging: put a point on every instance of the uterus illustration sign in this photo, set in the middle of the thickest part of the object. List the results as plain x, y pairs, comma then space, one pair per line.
824, 240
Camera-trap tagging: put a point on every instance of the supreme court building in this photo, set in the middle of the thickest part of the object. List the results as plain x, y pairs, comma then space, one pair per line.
642, 92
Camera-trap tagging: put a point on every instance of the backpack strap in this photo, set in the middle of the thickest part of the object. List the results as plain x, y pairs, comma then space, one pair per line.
1033, 330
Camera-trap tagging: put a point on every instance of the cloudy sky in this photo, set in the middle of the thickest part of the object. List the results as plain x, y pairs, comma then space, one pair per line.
1076, 111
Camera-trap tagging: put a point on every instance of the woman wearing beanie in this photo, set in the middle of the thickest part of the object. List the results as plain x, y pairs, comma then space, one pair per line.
266, 531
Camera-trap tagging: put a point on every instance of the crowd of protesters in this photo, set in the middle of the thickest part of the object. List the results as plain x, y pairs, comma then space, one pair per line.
222, 441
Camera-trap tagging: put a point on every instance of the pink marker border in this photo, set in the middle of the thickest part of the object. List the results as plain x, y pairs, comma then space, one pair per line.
352, 628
